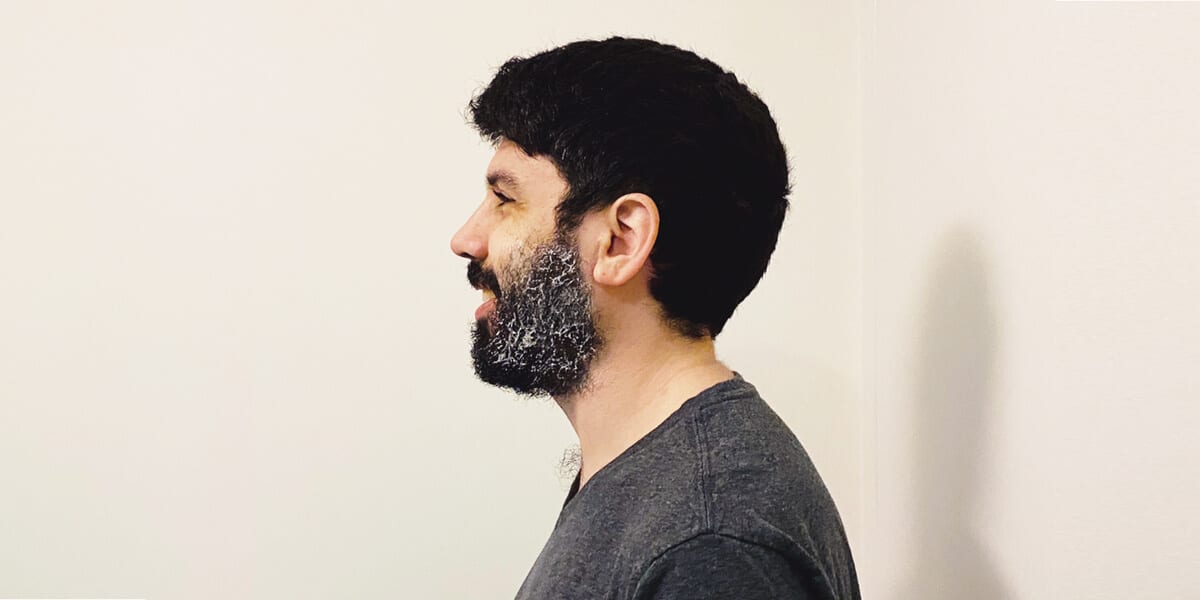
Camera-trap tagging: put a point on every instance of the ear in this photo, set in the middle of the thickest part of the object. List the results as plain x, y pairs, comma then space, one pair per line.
629, 229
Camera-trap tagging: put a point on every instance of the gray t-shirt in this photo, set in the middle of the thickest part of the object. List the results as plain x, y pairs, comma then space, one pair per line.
719, 501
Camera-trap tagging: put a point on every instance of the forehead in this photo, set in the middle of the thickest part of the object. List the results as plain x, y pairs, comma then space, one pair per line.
533, 179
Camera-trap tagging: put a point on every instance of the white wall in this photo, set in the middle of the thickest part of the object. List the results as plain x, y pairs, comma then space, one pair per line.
233, 355
1032, 208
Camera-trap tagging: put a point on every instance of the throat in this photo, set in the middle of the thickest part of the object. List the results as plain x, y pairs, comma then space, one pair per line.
619, 408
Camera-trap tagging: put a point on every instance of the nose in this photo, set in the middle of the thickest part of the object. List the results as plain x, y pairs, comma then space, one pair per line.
470, 241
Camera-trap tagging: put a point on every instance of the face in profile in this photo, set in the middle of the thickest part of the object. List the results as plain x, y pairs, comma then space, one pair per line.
535, 332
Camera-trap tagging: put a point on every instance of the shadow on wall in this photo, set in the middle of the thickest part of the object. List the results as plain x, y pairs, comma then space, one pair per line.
955, 353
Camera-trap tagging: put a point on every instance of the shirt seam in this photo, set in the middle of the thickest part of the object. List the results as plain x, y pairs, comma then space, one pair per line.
702, 470
697, 537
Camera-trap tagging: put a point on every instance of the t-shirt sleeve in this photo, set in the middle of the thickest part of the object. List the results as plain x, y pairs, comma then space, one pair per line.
718, 566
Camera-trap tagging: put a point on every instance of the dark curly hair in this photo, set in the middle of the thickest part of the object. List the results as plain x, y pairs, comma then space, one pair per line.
624, 115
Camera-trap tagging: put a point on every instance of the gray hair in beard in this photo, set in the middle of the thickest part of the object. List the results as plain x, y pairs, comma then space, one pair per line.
545, 331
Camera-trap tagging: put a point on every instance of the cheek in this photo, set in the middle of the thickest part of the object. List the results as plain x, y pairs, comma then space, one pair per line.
505, 258
586, 266
501, 245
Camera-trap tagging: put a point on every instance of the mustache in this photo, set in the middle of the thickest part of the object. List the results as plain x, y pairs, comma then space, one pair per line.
482, 279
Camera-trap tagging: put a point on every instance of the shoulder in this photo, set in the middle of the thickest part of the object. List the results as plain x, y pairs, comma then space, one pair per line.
751, 459
713, 565
761, 488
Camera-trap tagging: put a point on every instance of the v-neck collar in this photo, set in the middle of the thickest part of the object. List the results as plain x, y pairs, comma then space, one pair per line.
718, 388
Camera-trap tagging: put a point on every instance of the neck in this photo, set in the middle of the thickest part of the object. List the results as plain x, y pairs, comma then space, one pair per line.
634, 385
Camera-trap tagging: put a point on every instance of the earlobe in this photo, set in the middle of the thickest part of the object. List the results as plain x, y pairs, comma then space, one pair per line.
630, 228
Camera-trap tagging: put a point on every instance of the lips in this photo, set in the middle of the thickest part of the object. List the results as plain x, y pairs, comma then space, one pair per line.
485, 309
485, 281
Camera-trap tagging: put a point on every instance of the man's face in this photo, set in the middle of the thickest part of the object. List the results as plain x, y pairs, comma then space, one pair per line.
535, 331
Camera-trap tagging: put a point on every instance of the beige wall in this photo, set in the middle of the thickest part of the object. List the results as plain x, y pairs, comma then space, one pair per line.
233, 338
233, 357
1031, 284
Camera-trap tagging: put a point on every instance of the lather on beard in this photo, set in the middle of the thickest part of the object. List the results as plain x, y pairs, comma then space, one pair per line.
543, 335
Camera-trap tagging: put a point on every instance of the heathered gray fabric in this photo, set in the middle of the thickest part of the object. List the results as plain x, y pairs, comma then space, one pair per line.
718, 501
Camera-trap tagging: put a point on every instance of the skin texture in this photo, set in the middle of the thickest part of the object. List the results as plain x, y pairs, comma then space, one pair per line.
644, 370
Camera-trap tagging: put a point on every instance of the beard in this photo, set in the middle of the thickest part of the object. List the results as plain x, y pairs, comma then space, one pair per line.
541, 337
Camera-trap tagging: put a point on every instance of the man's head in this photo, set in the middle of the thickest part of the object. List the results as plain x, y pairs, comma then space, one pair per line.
641, 175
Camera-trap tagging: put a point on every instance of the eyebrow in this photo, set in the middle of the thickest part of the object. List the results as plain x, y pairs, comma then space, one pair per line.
504, 177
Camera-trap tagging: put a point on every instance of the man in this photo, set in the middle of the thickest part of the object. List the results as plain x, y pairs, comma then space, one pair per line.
634, 200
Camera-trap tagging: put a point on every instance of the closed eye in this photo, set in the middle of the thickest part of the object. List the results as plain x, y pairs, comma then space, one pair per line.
502, 198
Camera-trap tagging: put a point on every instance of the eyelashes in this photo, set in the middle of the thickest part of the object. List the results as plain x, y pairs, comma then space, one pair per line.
501, 197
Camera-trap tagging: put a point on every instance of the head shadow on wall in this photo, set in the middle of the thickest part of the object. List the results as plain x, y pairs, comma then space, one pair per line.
956, 351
